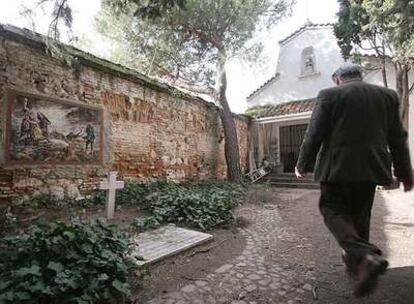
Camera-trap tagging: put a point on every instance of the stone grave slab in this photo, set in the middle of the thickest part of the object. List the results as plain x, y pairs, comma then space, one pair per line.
166, 241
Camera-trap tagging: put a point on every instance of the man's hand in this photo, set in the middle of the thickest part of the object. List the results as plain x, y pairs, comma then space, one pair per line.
407, 184
299, 173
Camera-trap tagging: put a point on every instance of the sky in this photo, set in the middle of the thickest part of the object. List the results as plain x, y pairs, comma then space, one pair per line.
243, 77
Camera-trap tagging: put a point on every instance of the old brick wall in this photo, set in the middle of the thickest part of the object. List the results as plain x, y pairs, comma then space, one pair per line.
150, 133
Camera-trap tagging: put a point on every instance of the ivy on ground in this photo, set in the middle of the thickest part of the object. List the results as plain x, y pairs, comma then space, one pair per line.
7, 220
203, 205
65, 263
49, 201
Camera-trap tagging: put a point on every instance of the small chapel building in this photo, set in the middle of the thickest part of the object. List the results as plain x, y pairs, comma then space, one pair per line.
283, 105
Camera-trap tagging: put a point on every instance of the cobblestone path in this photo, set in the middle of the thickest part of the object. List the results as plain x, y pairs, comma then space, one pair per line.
254, 276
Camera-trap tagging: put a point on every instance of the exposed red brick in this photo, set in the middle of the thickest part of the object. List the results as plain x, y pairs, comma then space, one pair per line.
152, 135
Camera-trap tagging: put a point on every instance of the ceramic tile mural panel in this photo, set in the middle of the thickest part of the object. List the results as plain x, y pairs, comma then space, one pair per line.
43, 130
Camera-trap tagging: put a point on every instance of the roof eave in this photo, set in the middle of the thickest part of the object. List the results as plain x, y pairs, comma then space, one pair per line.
264, 85
283, 118
303, 28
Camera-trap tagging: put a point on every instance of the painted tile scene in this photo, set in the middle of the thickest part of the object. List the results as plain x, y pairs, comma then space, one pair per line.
51, 131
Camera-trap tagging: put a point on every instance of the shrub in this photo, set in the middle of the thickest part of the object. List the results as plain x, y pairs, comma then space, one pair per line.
135, 193
49, 201
132, 194
38, 201
96, 198
202, 205
205, 205
7, 220
65, 263
145, 223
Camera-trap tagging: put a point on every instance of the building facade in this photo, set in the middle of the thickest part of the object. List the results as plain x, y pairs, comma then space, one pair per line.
282, 106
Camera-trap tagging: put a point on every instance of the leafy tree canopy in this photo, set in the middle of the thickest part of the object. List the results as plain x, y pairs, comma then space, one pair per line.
386, 26
155, 8
185, 41
394, 18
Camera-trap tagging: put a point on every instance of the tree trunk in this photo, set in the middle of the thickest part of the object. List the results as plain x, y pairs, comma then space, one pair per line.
384, 72
403, 91
231, 146
384, 67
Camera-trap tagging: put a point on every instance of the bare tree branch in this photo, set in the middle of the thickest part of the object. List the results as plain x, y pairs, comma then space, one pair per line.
53, 27
411, 89
28, 12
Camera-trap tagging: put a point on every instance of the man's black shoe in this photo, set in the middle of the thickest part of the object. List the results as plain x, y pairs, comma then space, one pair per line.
368, 272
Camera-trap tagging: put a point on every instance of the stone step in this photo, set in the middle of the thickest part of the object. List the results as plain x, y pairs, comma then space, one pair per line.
295, 185
288, 175
287, 180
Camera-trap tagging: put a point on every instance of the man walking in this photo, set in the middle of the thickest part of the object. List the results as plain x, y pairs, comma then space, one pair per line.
355, 135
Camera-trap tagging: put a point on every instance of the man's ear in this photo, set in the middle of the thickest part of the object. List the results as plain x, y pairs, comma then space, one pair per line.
337, 81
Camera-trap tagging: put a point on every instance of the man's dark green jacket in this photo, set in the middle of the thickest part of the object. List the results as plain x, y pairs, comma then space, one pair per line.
356, 134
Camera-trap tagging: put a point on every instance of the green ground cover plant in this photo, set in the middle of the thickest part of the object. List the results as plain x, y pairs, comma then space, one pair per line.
66, 263
200, 205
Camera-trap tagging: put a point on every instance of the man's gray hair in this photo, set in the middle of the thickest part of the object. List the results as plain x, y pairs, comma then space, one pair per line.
349, 70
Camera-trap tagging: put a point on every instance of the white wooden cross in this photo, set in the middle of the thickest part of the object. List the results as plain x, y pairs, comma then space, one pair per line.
111, 185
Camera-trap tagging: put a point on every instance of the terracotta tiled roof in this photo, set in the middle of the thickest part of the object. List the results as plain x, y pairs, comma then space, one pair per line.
292, 107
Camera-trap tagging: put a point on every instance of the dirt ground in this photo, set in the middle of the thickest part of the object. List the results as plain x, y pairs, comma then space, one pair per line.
177, 271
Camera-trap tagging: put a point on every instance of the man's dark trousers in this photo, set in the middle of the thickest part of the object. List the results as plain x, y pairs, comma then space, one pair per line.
346, 209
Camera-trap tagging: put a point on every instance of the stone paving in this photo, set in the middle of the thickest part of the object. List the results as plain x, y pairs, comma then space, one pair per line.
252, 277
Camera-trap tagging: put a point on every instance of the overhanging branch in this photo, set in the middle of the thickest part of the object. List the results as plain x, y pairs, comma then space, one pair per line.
185, 84
195, 88
189, 29
53, 27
